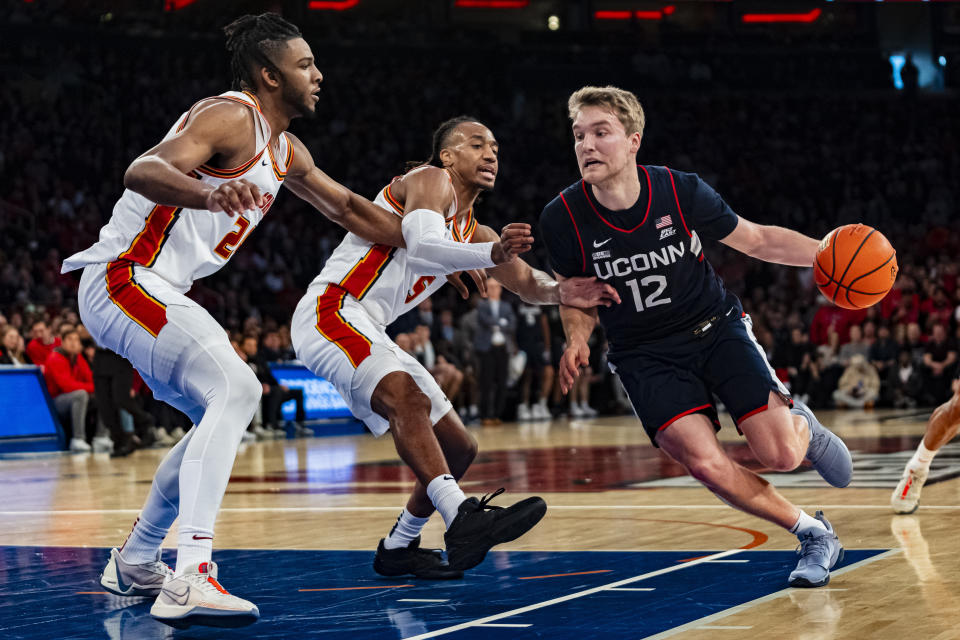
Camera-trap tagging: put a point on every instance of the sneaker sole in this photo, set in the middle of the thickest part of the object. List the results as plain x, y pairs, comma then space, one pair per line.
803, 583
209, 618
506, 531
906, 513
430, 574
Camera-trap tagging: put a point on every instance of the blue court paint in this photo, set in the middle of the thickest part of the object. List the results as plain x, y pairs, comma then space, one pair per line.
39, 600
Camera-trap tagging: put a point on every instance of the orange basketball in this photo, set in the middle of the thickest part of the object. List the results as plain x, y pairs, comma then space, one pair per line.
855, 266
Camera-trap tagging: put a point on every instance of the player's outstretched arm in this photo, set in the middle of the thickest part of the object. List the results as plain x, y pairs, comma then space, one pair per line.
161, 173
772, 244
425, 194
578, 324
352, 212
536, 287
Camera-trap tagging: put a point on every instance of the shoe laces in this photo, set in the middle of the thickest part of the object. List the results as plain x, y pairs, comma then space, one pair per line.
205, 582
484, 503
161, 567
811, 544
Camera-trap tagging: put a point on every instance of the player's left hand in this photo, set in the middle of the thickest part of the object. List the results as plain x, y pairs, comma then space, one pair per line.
516, 238
479, 277
587, 293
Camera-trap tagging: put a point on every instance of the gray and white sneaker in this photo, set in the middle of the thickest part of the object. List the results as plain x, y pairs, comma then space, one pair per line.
196, 597
906, 497
826, 451
125, 579
819, 552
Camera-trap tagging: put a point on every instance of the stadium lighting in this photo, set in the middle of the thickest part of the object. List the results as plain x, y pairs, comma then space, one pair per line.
553, 23
942, 60
754, 18
332, 5
492, 4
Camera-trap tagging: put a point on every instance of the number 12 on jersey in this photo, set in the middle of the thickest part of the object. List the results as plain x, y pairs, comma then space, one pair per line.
653, 299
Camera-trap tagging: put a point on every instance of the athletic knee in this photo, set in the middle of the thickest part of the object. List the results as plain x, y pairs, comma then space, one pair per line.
709, 469
244, 390
398, 398
781, 460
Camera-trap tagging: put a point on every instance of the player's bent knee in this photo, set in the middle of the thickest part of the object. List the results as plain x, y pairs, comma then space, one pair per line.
244, 389
782, 460
711, 470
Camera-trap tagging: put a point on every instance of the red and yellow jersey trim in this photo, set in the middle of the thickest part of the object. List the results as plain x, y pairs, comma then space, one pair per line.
146, 246
335, 328
135, 302
367, 270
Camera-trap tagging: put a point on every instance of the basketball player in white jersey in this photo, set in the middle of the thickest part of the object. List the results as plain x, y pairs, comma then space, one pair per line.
338, 330
190, 202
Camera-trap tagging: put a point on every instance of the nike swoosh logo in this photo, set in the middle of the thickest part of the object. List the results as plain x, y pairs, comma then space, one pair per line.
448, 477
178, 598
729, 312
121, 585
196, 537
597, 245
264, 163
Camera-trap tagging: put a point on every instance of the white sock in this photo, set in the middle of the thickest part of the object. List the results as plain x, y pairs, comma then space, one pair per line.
922, 458
193, 546
446, 496
805, 523
407, 528
142, 543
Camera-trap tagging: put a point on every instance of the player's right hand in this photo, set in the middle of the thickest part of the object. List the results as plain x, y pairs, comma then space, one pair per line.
576, 355
479, 277
514, 240
234, 197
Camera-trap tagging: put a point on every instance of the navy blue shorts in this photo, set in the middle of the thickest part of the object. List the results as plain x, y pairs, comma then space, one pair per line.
679, 375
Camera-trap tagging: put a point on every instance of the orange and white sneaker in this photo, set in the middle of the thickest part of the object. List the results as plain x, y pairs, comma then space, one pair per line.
197, 598
906, 497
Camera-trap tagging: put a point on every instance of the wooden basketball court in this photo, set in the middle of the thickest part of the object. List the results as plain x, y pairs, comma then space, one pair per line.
630, 547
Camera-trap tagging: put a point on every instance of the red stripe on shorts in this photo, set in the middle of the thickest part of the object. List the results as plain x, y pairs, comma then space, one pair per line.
335, 328
138, 305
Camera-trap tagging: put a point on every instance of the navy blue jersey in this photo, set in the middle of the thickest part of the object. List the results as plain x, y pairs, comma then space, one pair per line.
650, 252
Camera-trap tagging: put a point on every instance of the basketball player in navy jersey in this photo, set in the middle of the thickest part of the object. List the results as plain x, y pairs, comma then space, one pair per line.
678, 337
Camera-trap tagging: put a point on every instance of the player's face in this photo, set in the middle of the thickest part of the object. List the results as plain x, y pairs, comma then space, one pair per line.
602, 145
301, 78
474, 153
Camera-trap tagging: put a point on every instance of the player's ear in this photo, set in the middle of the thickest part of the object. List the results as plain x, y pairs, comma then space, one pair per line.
635, 139
269, 77
446, 157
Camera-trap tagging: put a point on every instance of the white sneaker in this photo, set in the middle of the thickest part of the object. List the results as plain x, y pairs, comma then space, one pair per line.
102, 444
523, 413
906, 497
588, 411
248, 437
124, 579
278, 432
161, 438
302, 431
261, 433
177, 434
575, 410
79, 445
540, 412
197, 598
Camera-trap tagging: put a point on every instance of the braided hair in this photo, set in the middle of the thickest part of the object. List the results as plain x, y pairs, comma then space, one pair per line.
440, 138
252, 41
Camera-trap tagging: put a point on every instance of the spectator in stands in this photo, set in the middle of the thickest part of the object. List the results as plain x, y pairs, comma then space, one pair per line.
828, 364
859, 386
11, 348
938, 361
799, 359
855, 347
113, 385
274, 393
905, 381
70, 383
42, 343
273, 350
440, 366
496, 324
883, 357
915, 342
533, 338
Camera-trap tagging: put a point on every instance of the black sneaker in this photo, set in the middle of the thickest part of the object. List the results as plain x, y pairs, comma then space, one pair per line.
422, 563
479, 526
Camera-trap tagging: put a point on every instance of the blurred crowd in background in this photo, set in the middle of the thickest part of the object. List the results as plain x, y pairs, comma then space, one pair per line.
805, 141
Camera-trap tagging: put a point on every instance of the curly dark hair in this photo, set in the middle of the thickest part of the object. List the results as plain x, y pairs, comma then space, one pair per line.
252, 41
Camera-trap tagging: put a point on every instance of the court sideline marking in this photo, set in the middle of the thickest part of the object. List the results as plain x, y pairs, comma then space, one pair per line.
571, 596
67, 512
698, 624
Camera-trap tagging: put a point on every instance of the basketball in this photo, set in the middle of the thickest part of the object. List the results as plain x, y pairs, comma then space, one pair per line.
855, 266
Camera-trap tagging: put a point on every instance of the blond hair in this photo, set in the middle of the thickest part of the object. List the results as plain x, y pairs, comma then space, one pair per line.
622, 103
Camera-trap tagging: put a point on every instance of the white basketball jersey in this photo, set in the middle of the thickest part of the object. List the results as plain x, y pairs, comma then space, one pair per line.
179, 244
378, 276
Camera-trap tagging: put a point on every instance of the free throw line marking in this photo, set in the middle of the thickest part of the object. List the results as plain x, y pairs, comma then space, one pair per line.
571, 596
